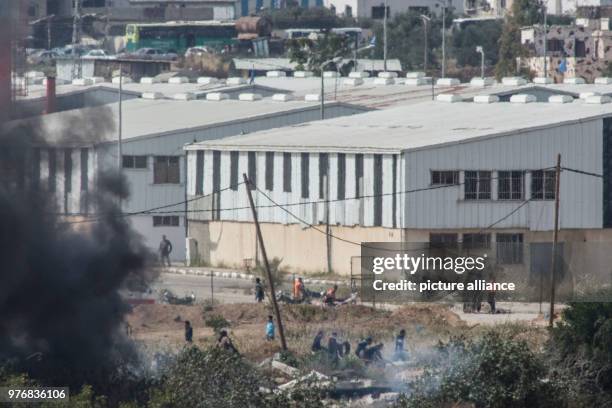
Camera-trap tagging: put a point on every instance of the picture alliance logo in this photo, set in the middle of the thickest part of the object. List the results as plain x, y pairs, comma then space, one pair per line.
412, 264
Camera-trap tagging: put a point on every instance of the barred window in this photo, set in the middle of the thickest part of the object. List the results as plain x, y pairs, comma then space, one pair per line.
443, 240
166, 170
134, 162
477, 185
510, 185
476, 241
543, 185
444, 178
166, 221
509, 248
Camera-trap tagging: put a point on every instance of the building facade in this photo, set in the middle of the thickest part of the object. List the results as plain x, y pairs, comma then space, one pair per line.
375, 8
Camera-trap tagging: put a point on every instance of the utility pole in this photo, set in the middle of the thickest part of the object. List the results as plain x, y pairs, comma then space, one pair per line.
281, 331
328, 241
425, 48
120, 125
76, 39
444, 40
545, 40
385, 37
554, 245
322, 95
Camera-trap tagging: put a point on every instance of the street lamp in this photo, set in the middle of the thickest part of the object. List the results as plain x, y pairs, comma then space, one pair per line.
335, 60
481, 51
425, 21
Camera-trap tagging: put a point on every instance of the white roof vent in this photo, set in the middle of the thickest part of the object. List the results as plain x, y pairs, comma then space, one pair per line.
152, 95
184, 96
330, 74
598, 99
249, 97
486, 99
303, 74
97, 80
149, 80
82, 81
447, 82
543, 80
514, 81
384, 81
574, 81
360, 74
411, 75
353, 81
207, 80
387, 74
450, 98
416, 81
276, 74
216, 96
584, 95
124, 80
281, 97
478, 81
560, 99
523, 98
312, 98
603, 81
235, 81
178, 80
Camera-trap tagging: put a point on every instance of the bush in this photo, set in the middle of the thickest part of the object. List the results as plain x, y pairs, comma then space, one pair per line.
495, 371
216, 322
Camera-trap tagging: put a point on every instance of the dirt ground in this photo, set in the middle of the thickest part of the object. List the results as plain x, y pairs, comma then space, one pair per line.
161, 325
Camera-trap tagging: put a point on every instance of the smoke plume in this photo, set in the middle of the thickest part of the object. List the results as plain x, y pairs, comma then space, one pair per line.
61, 313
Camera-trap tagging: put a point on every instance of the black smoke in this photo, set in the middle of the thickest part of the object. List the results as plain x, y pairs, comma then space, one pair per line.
61, 312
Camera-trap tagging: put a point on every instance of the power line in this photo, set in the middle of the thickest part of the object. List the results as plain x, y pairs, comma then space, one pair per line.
586, 173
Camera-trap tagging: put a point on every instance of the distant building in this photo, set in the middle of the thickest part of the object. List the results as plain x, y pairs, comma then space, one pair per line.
572, 51
375, 8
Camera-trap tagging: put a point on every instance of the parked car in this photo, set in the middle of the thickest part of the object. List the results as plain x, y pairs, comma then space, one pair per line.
43, 57
198, 51
97, 54
150, 54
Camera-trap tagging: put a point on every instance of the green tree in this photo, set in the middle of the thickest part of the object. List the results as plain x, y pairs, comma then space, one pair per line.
523, 13
311, 54
465, 41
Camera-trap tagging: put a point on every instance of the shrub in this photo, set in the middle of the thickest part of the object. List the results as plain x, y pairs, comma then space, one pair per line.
216, 322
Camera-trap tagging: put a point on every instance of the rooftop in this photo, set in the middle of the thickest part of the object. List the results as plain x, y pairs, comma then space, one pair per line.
146, 118
411, 127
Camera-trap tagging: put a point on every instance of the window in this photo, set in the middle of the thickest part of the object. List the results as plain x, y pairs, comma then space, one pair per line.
269, 171
216, 179
509, 248
580, 50
477, 185
378, 189
52, 169
323, 170
67, 170
348, 11
166, 221
378, 12
509, 185
287, 172
341, 176
444, 178
305, 170
443, 240
234, 156
199, 187
252, 167
554, 45
84, 169
166, 170
543, 185
134, 162
358, 175
476, 241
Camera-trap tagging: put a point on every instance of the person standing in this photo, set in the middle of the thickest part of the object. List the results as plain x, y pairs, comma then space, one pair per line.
316, 344
225, 343
188, 332
270, 329
400, 341
165, 249
259, 291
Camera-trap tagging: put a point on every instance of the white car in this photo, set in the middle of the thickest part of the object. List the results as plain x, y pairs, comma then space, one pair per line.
198, 51
97, 54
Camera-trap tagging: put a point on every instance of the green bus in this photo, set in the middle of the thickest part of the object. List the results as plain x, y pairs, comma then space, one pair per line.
178, 36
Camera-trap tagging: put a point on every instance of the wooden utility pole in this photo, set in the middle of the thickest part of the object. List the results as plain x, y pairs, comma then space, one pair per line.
554, 245
281, 331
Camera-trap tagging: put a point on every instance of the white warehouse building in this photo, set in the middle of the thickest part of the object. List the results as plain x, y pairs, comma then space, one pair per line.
429, 172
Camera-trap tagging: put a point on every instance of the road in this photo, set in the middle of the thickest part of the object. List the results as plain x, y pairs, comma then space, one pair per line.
225, 290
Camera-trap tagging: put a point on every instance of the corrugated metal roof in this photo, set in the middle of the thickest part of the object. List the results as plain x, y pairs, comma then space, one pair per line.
270, 64
411, 127
143, 118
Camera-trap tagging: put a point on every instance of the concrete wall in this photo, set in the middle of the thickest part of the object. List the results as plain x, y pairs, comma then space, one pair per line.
363, 8
302, 250
152, 235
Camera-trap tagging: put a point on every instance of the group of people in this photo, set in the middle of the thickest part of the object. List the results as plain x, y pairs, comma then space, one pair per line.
365, 350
